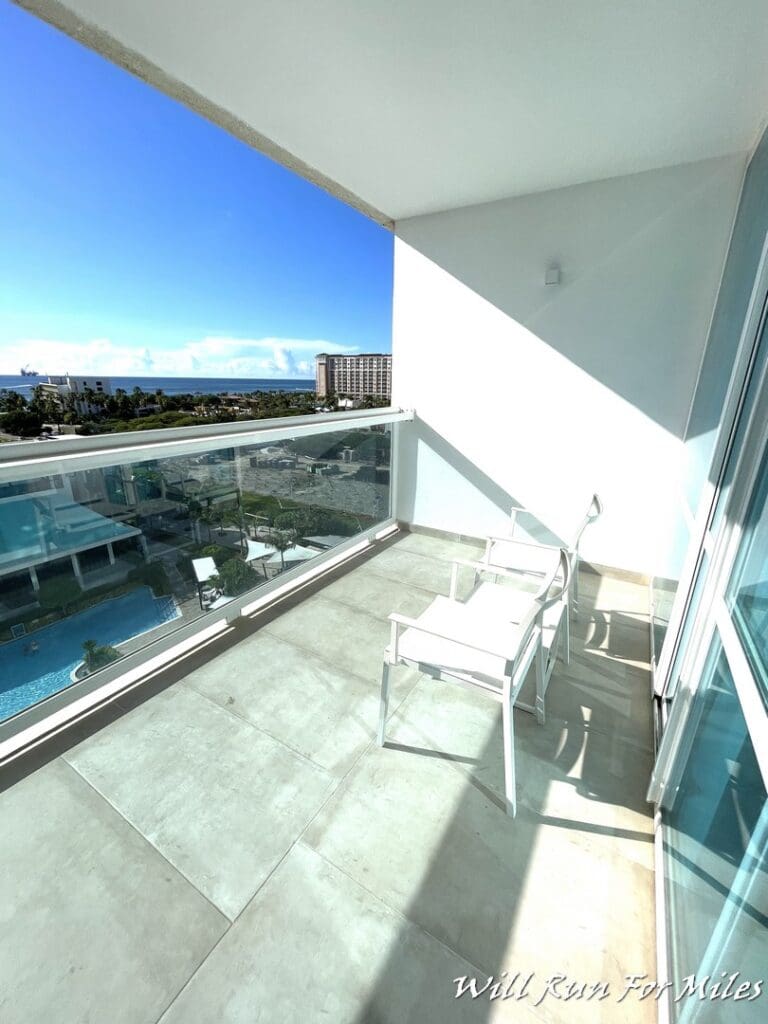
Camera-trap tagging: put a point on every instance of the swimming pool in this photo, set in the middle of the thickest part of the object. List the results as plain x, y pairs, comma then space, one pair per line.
26, 679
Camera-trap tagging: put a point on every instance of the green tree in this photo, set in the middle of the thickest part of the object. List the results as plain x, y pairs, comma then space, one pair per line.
235, 577
201, 514
236, 517
96, 657
59, 593
21, 423
219, 515
282, 540
138, 398
219, 554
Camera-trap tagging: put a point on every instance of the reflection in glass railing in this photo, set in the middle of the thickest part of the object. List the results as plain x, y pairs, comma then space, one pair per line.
96, 564
748, 589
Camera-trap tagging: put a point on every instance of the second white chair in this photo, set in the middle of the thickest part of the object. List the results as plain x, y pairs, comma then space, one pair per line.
487, 643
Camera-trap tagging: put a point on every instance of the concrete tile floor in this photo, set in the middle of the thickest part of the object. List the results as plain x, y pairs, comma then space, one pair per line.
238, 849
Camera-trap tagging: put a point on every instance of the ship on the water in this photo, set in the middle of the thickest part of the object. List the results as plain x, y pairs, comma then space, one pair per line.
26, 372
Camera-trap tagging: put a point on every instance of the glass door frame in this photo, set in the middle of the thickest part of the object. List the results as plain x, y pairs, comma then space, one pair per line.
702, 542
713, 614
711, 626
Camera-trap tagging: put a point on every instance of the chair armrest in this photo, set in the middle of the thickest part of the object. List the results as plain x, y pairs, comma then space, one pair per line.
398, 620
522, 543
478, 567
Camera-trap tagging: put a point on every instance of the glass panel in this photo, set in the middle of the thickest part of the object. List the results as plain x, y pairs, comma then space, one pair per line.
748, 591
663, 588
714, 828
732, 304
99, 563
688, 624
752, 386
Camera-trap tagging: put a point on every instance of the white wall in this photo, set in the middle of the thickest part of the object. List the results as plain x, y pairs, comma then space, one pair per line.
542, 394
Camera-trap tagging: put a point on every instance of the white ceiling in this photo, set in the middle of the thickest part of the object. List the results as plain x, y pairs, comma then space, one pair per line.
424, 105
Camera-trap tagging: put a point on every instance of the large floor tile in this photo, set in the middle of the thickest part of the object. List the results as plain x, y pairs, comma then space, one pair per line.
449, 858
615, 595
413, 568
369, 591
313, 946
349, 639
568, 775
443, 548
585, 916
458, 867
97, 926
220, 799
582, 694
623, 639
325, 713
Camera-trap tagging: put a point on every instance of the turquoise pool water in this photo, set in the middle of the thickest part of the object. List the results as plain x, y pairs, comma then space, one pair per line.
28, 678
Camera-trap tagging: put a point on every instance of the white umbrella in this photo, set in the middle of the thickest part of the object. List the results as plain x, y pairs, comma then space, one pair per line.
257, 550
204, 569
295, 553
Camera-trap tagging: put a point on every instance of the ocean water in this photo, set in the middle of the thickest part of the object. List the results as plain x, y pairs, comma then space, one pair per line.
176, 385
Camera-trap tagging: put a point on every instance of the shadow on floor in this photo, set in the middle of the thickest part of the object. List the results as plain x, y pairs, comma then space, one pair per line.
484, 893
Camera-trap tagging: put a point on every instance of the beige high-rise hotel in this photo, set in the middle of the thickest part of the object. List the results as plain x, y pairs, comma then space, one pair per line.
355, 376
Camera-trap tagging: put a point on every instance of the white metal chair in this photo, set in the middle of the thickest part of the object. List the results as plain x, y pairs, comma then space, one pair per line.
509, 602
486, 643
533, 560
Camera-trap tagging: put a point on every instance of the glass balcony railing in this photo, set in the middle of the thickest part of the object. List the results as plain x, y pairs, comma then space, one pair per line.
128, 549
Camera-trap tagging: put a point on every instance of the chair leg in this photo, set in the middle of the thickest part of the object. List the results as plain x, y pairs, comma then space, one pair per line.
575, 586
541, 682
384, 705
509, 758
567, 634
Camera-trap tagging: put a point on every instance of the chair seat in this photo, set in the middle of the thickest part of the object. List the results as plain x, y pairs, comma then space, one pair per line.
465, 626
524, 558
506, 604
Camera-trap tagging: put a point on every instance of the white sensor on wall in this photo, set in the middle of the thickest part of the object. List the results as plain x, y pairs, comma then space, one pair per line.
552, 274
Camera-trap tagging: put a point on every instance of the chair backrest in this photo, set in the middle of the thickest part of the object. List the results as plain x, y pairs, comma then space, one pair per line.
554, 588
594, 511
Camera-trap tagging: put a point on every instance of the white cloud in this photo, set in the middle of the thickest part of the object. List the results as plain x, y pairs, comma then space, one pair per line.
204, 357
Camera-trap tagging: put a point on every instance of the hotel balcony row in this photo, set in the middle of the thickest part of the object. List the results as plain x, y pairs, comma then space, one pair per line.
205, 828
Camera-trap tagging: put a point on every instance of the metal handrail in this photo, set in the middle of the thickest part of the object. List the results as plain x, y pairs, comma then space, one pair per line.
59, 454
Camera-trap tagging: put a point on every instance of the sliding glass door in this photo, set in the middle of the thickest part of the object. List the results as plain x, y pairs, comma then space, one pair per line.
711, 776
714, 833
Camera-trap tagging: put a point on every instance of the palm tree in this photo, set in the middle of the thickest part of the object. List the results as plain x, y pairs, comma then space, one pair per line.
219, 517
235, 517
90, 400
201, 514
207, 517
90, 647
282, 540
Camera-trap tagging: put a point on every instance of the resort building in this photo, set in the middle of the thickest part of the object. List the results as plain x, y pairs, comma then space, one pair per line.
363, 376
366, 783
45, 533
82, 390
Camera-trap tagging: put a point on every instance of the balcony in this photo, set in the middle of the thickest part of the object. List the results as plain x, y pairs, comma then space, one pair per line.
227, 842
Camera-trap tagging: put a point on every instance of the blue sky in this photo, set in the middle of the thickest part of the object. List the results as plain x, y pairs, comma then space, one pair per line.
138, 239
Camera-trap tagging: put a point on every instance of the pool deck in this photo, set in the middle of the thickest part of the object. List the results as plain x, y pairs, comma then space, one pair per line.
229, 844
